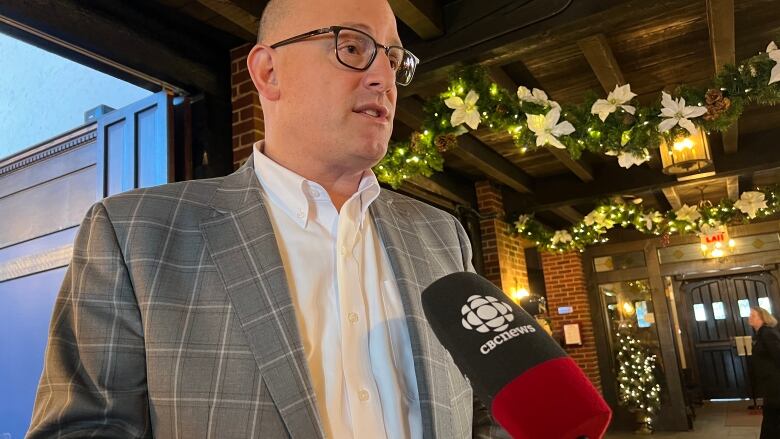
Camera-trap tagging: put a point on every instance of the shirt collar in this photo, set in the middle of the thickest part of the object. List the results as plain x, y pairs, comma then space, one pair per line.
295, 194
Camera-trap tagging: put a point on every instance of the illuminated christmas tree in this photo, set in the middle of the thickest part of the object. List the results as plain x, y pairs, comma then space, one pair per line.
638, 390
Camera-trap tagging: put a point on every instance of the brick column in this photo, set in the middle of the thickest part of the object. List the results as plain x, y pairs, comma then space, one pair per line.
503, 256
564, 280
248, 125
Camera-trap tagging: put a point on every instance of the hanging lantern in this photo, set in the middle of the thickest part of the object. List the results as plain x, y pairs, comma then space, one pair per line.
686, 155
715, 243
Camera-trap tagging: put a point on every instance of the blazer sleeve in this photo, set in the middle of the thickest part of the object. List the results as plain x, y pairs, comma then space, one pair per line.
483, 425
94, 376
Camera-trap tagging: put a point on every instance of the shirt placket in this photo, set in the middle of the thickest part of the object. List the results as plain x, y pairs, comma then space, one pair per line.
362, 392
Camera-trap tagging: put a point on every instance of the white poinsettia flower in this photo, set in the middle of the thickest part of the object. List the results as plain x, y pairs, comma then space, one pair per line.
629, 159
547, 128
561, 237
616, 98
599, 219
774, 54
651, 218
466, 111
521, 222
749, 203
535, 96
676, 112
687, 213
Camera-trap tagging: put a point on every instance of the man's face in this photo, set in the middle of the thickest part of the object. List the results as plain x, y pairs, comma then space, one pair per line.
327, 108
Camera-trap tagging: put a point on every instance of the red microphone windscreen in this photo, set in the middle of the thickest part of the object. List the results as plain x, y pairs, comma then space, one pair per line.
552, 400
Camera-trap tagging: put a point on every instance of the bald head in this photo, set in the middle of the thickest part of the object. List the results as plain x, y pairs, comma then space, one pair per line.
276, 12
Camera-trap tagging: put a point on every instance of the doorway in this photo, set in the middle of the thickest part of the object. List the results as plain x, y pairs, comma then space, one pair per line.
717, 310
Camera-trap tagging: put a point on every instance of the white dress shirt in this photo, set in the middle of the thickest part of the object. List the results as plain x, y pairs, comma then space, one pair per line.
347, 304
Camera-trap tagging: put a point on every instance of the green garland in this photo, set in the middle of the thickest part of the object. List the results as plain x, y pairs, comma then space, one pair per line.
620, 133
617, 213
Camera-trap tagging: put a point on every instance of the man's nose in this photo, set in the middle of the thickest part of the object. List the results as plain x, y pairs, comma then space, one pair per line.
380, 76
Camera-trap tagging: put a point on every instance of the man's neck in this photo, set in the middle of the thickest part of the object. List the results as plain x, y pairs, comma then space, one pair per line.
339, 183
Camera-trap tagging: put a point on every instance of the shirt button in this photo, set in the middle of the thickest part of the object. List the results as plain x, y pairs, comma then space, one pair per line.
314, 193
353, 317
363, 395
300, 214
344, 251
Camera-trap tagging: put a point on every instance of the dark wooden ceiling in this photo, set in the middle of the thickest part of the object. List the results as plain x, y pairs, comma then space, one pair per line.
567, 48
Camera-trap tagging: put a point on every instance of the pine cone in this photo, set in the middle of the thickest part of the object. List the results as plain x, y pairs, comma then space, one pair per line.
415, 143
628, 119
445, 142
717, 104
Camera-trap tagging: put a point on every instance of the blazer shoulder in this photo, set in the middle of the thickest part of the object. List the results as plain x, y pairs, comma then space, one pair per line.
418, 210
186, 201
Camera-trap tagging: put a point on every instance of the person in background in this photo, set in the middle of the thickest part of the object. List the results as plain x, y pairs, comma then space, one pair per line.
766, 368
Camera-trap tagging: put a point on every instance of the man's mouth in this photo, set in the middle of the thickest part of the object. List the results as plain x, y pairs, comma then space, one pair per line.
375, 111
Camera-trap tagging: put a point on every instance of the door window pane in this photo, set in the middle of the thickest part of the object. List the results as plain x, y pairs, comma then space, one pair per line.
763, 302
744, 307
718, 311
699, 312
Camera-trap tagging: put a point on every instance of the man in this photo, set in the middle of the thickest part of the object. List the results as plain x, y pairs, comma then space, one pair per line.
284, 299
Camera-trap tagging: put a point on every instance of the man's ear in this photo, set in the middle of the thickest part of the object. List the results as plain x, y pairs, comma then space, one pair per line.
260, 63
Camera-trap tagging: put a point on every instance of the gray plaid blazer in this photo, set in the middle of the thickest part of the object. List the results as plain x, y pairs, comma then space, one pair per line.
175, 320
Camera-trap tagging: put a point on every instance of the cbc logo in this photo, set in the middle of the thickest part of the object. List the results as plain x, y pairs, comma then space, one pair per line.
485, 314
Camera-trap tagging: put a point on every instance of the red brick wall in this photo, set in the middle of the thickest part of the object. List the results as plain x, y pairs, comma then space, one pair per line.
502, 253
248, 125
564, 280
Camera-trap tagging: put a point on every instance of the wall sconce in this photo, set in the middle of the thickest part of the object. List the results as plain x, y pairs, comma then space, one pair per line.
686, 155
519, 294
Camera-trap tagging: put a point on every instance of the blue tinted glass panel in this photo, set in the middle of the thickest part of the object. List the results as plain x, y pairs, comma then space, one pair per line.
152, 150
115, 152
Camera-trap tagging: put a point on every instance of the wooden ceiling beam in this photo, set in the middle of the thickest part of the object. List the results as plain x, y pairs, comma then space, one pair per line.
234, 13
732, 188
424, 17
601, 59
492, 164
580, 168
447, 187
720, 22
568, 213
672, 197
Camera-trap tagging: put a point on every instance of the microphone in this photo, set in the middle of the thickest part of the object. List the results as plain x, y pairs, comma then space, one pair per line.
533, 389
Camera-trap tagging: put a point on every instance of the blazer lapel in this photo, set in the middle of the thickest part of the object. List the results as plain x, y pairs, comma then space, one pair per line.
241, 241
413, 274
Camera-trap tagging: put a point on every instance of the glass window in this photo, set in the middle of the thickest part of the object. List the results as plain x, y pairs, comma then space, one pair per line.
718, 312
763, 302
744, 307
619, 262
699, 313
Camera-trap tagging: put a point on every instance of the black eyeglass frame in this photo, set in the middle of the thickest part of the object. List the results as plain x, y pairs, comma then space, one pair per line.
335, 30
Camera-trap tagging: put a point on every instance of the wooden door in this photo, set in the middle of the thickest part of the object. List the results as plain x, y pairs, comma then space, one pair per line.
717, 310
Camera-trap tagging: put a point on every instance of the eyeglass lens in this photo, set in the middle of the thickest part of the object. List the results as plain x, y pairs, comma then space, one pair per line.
358, 50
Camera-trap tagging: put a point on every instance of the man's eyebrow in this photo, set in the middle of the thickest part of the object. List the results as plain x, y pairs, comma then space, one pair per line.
366, 29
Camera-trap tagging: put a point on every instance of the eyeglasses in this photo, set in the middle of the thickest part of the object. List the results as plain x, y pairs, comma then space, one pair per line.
357, 50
